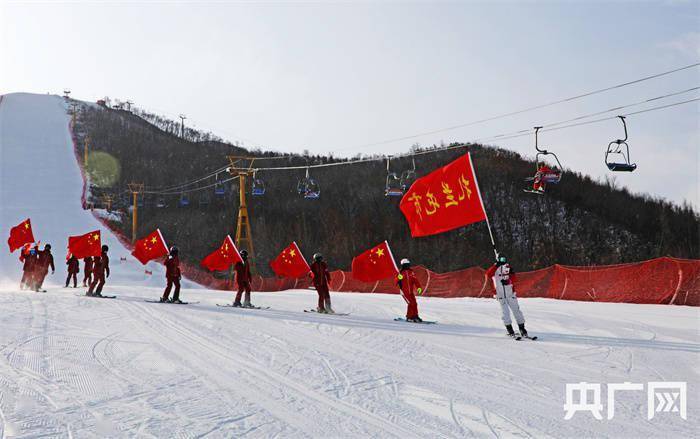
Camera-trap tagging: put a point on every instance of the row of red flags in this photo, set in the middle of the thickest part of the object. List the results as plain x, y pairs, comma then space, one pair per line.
443, 200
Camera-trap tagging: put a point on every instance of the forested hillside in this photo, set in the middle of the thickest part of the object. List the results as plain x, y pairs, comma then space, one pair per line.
580, 222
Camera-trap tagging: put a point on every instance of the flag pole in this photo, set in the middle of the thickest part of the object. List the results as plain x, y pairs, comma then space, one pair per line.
486, 216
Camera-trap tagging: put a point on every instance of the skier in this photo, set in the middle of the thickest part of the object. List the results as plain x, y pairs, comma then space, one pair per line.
43, 262
87, 269
503, 277
243, 278
28, 257
321, 278
172, 275
73, 270
538, 184
408, 283
100, 271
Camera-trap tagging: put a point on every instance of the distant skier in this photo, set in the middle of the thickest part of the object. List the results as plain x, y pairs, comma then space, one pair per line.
503, 277
172, 276
321, 279
243, 279
100, 271
28, 257
408, 284
44, 261
73, 270
87, 270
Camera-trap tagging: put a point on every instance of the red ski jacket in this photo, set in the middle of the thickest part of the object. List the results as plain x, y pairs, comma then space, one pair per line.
409, 282
243, 275
89, 263
100, 265
73, 265
320, 275
172, 268
45, 260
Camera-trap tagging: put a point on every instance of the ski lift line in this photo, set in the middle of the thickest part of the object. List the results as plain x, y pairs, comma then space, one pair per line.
524, 110
588, 122
598, 113
519, 133
192, 190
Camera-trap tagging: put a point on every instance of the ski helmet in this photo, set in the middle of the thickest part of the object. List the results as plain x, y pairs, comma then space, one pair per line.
47, 247
174, 250
501, 259
244, 254
318, 256
105, 248
405, 261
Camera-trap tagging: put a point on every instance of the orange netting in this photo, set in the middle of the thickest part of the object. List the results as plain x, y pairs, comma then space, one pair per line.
658, 281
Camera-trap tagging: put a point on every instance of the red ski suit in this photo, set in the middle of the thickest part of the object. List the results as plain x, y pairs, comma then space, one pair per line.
243, 278
44, 261
172, 275
87, 269
73, 270
28, 269
321, 278
100, 271
408, 284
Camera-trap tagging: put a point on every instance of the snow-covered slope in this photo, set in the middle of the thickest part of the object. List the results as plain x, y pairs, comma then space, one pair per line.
82, 367
40, 179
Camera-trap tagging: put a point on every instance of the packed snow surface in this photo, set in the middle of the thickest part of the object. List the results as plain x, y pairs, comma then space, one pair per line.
84, 367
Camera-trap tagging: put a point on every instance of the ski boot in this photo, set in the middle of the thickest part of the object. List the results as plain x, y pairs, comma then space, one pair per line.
247, 305
418, 319
510, 333
176, 301
321, 310
163, 299
523, 332
237, 304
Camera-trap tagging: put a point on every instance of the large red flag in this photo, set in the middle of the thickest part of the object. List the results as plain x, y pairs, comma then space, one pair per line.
222, 258
375, 264
290, 263
151, 247
20, 234
89, 244
443, 200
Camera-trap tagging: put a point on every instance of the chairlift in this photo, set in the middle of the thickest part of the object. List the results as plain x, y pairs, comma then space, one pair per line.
219, 189
308, 187
160, 203
393, 186
543, 174
184, 200
258, 188
619, 149
408, 176
203, 201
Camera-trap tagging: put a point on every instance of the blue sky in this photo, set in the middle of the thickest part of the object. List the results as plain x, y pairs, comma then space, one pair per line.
331, 76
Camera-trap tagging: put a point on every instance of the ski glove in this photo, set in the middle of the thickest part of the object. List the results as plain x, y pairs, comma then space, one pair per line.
504, 282
420, 291
400, 277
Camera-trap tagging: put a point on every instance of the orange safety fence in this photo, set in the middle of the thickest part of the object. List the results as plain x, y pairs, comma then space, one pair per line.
658, 281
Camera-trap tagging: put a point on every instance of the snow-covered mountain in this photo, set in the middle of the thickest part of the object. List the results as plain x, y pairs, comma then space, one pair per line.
85, 367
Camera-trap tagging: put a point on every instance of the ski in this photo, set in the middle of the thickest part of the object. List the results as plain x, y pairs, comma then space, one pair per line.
171, 303
242, 307
529, 337
96, 297
328, 313
514, 337
533, 192
424, 322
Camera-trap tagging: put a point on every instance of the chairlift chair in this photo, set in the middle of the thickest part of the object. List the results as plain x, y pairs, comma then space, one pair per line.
308, 187
408, 177
258, 186
619, 149
184, 200
160, 203
393, 182
553, 176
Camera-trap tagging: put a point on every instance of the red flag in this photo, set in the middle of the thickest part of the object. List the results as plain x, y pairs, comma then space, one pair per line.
290, 263
20, 234
222, 258
89, 244
375, 264
151, 247
443, 200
